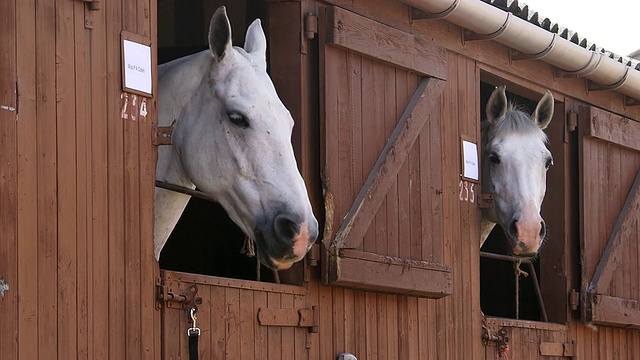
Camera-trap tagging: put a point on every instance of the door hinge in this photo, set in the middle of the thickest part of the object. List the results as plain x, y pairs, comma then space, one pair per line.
574, 299
309, 31
313, 256
175, 297
310, 26
92, 4
558, 349
308, 318
572, 121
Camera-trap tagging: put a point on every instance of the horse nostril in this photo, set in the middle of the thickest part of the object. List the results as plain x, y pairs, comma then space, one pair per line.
286, 228
543, 229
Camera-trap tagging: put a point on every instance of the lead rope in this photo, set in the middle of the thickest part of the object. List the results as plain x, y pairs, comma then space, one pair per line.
517, 272
194, 333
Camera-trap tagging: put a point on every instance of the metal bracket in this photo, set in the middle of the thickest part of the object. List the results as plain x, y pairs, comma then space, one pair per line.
485, 201
92, 4
498, 339
629, 101
163, 135
417, 14
176, 298
574, 299
469, 35
518, 55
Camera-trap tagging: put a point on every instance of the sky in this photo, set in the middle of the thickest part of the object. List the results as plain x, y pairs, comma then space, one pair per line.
610, 24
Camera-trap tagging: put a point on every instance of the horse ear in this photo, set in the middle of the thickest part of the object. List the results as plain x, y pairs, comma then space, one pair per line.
220, 34
255, 43
497, 104
544, 111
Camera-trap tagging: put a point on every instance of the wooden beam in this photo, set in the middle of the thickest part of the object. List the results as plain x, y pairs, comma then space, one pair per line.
354, 32
373, 272
613, 128
613, 311
618, 240
392, 156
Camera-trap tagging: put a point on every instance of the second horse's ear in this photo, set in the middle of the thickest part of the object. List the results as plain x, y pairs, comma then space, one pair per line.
220, 34
544, 111
497, 104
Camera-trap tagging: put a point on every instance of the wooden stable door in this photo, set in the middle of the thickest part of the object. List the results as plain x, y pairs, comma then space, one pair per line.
238, 319
609, 210
381, 153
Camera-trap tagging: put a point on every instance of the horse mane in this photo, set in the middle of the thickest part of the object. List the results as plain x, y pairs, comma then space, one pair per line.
515, 121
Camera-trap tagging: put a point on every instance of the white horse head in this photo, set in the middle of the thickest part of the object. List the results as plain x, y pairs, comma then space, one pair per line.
515, 161
232, 140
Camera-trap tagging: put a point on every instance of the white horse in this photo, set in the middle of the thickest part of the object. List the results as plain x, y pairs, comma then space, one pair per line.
515, 161
232, 140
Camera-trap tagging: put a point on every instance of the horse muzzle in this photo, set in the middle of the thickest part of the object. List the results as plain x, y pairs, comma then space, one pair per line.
526, 236
285, 240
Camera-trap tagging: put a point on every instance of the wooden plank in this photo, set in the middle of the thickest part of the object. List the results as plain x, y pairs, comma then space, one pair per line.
402, 99
274, 333
27, 231
278, 316
379, 41
373, 128
132, 240
415, 200
379, 137
218, 318
247, 323
325, 306
357, 339
288, 333
403, 327
232, 283
98, 247
391, 116
390, 344
47, 183
170, 325
388, 164
304, 340
232, 323
204, 323
118, 320
67, 188
412, 328
618, 240
9, 309
613, 128
614, 311
260, 332
394, 275
83, 174
451, 205
150, 318
360, 78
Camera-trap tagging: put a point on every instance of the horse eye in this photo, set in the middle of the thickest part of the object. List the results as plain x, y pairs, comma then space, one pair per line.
494, 158
549, 163
238, 120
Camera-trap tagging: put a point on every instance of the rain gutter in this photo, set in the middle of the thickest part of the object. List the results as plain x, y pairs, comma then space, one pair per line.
536, 42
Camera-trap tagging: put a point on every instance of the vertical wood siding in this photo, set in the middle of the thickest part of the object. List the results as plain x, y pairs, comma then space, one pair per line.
77, 186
